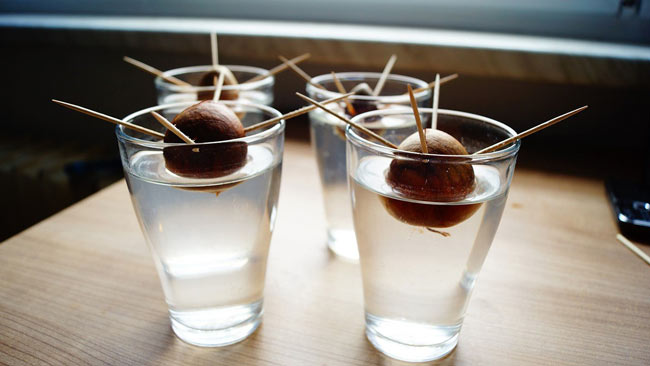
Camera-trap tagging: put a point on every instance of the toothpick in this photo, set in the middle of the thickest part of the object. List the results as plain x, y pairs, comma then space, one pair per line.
633, 248
153, 70
369, 132
214, 48
384, 75
432, 84
163, 121
296, 113
283, 66
362, 86
218, 83
108, 118
232, 80
531, 131
300, 72
341, 90
436, 97
418, 121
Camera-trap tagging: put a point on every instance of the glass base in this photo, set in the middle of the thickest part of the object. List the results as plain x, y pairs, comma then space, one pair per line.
411, 342
217, 327
343, 243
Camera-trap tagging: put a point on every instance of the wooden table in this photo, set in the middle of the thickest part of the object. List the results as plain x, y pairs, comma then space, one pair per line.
80, 287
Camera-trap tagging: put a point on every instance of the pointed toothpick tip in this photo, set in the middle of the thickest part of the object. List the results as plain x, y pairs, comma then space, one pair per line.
154, 71
300, 72
451, 77
635, 249
436, 101
384, 75
281, 67
214, 49
108, 118
532, 130
443, 80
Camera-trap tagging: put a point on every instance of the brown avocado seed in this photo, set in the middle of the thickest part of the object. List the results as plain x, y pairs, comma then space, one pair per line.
431, 181
208, 80
207, 121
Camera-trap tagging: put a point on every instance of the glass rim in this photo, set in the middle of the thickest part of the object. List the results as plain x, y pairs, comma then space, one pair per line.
372, 76
274, 130
383, 150
269, 80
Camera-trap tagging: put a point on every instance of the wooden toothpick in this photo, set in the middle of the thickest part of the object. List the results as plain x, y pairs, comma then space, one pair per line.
296, 113
108, 118
341, 90
633, 248
300, 72
384, 75
531, 131
283, 66
418, 121
163, 121
363, 86
232, 80
436, 97
432, 84
214, 48
154, 71
369, 132
218, 85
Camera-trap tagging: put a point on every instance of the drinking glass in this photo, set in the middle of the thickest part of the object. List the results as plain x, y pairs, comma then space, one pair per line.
421, 252
209, 237
259, 92
328, 141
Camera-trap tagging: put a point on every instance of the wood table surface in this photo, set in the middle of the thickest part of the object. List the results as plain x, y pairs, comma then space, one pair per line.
80, 288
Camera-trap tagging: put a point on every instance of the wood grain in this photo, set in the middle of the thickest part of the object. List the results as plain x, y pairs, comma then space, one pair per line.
80, 288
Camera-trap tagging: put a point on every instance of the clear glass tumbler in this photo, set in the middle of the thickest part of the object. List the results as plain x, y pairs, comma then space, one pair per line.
209, 237
421, 250
259, 92
328, 141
